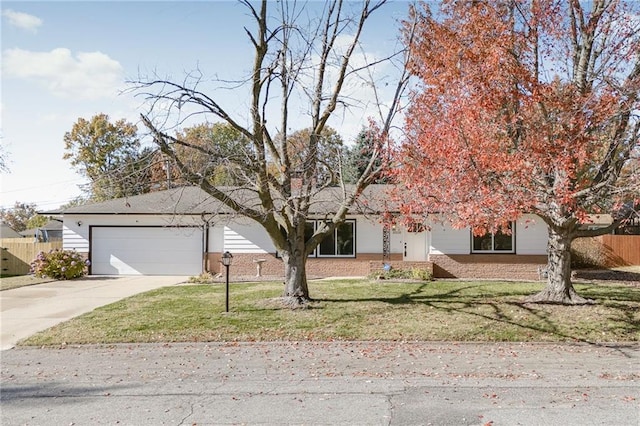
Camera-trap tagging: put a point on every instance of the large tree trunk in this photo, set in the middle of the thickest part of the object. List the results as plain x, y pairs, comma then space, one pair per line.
559, 288
296, 292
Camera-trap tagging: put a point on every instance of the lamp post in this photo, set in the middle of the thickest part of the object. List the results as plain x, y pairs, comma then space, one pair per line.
227, 258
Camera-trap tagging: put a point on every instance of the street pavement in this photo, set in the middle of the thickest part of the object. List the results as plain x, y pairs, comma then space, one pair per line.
297, 383
27, 310
322, 383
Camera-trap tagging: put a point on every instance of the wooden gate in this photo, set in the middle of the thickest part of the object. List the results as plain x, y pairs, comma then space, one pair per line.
16, 254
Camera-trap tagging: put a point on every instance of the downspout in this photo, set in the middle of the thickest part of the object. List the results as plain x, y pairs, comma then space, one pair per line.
205, 244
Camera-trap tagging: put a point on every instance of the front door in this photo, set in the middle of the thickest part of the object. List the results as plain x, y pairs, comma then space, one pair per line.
415, 243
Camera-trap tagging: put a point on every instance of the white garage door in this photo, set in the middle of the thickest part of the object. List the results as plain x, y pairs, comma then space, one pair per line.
146, 251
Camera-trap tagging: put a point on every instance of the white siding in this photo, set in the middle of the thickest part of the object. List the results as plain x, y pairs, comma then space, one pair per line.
74, 239
368, 235
446, 240
246, 238
240, 235
531, 235
216, 238
76, 227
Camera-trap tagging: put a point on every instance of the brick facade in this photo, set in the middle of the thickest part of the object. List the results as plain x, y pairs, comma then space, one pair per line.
317, 267
500, 266
483, 266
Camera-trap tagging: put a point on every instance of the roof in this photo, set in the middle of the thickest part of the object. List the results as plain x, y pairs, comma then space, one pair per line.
184, 200
602, 219
52, 225
191, 200
8, 232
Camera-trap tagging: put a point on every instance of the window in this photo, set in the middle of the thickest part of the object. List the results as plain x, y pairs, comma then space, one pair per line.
341, 243
309, 229
494, 243
416, 227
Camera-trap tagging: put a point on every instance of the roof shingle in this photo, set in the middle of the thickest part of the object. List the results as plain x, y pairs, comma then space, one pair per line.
191, 200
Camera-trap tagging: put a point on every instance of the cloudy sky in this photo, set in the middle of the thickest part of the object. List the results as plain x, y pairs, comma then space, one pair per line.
65, 60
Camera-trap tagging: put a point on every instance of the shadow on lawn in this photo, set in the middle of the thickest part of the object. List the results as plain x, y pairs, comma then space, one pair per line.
538, 318
608, 275
605, 293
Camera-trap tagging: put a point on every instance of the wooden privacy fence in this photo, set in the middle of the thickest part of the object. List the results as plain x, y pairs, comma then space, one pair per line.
621, 250
17, 253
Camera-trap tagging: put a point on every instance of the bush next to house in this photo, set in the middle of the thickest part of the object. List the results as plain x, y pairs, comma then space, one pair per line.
59, 264
390, 273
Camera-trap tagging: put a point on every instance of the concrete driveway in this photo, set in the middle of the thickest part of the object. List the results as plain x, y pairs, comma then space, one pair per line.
27, 310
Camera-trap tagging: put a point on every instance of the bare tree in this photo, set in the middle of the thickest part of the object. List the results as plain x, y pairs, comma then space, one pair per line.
312, 61
4, 158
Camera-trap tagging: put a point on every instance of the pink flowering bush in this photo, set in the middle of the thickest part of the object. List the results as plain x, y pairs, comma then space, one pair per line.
59, 264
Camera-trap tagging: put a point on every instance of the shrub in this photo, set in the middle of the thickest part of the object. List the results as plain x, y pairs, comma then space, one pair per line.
59, 265
588, 253
421, 274
417, 274
204, 278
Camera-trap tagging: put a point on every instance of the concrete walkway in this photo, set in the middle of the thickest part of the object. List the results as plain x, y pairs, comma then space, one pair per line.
27, 310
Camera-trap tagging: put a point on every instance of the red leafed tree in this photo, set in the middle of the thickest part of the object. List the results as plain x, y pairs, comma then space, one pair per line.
525, 106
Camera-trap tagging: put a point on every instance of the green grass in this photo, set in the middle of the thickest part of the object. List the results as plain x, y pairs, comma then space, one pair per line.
357, 310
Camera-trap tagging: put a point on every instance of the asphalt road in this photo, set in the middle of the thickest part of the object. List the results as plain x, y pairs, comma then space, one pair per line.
335, 383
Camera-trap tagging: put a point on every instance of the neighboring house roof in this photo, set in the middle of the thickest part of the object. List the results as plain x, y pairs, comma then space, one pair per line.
52, 225
192, 200
8, 232
601, 220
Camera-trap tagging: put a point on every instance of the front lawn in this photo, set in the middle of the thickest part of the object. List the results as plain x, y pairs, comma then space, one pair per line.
357, 310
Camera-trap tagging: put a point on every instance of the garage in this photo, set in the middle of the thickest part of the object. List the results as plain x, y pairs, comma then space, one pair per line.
148, 250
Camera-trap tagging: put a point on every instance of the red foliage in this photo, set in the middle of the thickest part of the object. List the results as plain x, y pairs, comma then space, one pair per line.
507, 118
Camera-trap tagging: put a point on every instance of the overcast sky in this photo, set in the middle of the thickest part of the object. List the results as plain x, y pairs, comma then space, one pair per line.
65, 60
